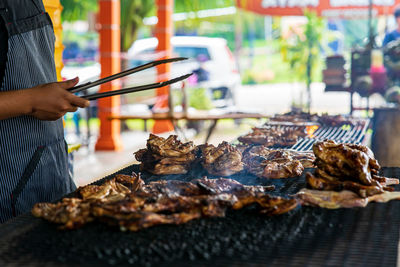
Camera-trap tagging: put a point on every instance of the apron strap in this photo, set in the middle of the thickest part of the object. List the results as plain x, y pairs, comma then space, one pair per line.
37, 7
4, 13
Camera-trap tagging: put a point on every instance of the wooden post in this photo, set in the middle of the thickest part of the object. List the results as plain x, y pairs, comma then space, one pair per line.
110, 39
163, 32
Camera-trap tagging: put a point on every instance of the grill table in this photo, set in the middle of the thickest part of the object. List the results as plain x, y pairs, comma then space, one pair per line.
306, 236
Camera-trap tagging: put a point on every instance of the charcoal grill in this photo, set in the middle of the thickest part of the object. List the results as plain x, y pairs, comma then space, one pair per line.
349, 133
304, 237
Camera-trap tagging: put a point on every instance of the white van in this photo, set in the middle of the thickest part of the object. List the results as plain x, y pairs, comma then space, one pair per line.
212, 53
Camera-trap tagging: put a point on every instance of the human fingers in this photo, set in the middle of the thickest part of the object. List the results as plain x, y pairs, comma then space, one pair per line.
69, 83
78, 101
71, 109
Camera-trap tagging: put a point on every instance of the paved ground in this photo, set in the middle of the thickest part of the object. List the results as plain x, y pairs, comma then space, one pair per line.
271, 99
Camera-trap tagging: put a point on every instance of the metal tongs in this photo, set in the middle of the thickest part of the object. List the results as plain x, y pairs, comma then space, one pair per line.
129, 89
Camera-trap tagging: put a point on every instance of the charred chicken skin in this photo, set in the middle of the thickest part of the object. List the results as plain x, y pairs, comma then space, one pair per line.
347, 167
223, 160
347, 160
271, 163
161, 202
166, 156
273, 136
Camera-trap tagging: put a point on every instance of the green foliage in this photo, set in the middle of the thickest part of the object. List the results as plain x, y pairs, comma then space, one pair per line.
132, 14
77, 9
199, 99
196, 5
193, 22
304, 47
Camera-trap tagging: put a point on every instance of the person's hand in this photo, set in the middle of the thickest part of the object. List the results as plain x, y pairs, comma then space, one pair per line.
51, 101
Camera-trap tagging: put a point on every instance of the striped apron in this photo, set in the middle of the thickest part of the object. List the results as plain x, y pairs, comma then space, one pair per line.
33, 153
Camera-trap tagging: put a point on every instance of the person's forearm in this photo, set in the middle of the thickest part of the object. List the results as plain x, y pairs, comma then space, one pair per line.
15, 103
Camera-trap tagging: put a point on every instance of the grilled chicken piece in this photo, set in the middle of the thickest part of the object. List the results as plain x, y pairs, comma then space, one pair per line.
173, 188
273, 136
229, 186
347, 167
134, 182
295, 117
223, 160
276, 205
307, 159
342, 199
71, 213
350, 162
361, 190
164, 169
385, 181
109, 191
337, 120
170, 147
166, 156
373, 163
247, 195
145, 155
271, 163
112, 190
260, 136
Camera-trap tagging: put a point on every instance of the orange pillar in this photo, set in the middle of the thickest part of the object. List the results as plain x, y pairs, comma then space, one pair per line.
54, 8
163, 32
109, 20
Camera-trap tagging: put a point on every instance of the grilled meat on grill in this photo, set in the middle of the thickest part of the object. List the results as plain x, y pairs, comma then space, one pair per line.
223, 160
347, 167
164, 169
109, 191
349, 162
373, 163
166, 156
273, 136
342, 199
385, 181
307, 159
171, 188
297, 118
361, 190
170, 147
337, 120
70, 213
160, 202
270, 163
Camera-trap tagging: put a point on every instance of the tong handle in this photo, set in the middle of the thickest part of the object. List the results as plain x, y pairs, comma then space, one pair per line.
124, 73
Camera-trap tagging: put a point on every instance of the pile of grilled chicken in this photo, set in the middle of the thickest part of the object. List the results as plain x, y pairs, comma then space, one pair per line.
130, 204
273, 136
347, 166
166, 156
295, 117
170, 156
223, 160
301, 118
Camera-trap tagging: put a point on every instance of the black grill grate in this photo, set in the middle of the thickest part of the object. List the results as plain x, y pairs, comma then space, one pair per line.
304, 237
354, 134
